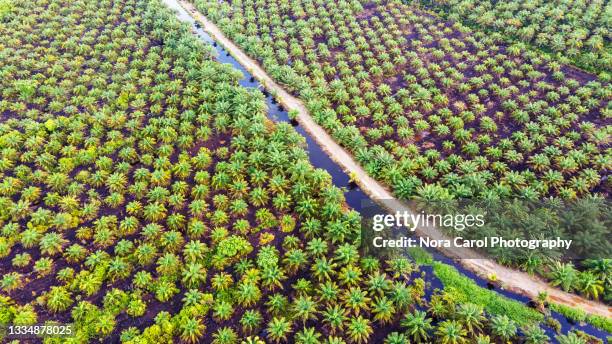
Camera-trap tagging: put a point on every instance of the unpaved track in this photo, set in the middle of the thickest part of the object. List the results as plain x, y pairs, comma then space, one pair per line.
510, 279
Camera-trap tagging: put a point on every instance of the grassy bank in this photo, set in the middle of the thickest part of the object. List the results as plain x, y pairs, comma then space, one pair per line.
579, 315
466, 290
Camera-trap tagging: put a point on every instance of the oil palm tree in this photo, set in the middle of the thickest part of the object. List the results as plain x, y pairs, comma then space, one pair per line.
503, 327
191, 330
308, 335
471, 317
359, 330
451, 332
570, 338
535, 335
304, 308
278, 329
251, 320
417, 325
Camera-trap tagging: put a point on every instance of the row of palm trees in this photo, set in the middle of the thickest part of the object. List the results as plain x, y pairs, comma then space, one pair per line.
577, 30
159, 172
175, 192
451, 104
432, 108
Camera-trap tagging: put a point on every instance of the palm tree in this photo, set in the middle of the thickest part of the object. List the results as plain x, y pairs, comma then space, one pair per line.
307, 336
482, 339
191, 330
471, 316
383, 310
503, 327
359, 330
278, 329
304, 308
248, 293
535, 335
601, 268
272, 277
570, 338
356, 300
104, 324
396, 338
590, 285
165, 290
417, 325
277, 304
401, 295
334, 318
563, 275
322, 269
25, 315
222, 281
193, 275
451, 332
250, 321
11, 281
225, 335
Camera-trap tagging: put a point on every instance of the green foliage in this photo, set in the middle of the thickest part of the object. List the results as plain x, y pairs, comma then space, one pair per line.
6, 7
420, 256
234, 247
583, 46
465, 290
579, 315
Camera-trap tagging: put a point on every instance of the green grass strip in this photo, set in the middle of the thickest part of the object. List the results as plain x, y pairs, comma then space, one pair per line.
466, 290
420, 256
579, 315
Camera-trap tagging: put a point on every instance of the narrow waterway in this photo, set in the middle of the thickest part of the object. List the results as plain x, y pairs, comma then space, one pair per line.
355, 197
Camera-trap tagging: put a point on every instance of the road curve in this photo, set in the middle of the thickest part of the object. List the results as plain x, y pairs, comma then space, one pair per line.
513, 280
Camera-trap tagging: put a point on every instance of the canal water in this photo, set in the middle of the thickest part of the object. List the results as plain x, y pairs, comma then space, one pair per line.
355, 197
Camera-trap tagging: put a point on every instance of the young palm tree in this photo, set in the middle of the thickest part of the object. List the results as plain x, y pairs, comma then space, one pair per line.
359, 330
396, 338
225, 335
165, 290
278, 329
277, 304
250, 321
193, 275
334, 318
471, 317
482, 339
104, 324
307, 336
58, 299
304, 308
570, 338
503, 327
535, 335
383, 310
222, 281
356, 300
191, 330
451, 332
248, 293
11, 281
563, 275
272, 277
222, 310
417, 325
